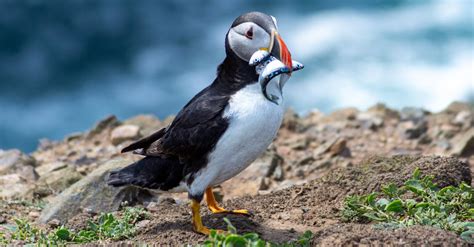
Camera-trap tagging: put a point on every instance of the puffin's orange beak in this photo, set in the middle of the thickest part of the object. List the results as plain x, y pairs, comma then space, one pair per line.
280, 50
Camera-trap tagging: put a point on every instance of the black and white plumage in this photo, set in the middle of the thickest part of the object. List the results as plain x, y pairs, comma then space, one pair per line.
223, 128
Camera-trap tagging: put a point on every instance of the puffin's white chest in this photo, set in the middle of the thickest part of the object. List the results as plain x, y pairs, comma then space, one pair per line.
253, 124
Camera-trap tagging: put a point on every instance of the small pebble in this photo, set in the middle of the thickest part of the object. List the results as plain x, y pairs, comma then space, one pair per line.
34, 214
54, 223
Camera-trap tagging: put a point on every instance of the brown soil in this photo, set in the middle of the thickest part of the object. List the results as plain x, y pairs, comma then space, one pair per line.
284, 215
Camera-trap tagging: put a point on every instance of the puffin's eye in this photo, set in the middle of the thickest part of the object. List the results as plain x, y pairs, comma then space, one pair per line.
249, 33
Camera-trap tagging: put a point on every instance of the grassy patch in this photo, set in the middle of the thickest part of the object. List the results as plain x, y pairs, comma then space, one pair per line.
232, 238
418, 202
106, 227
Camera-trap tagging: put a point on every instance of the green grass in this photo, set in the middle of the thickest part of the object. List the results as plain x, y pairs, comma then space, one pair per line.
106, 227
232, 238
418, 202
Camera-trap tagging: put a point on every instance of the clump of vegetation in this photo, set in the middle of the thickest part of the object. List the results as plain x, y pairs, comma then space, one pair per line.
106, 227
418, 202
232, 238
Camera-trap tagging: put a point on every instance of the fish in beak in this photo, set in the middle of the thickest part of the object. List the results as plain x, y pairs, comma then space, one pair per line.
272, 62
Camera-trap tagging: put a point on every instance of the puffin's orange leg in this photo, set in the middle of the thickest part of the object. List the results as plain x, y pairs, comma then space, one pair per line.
216, 209
197, 222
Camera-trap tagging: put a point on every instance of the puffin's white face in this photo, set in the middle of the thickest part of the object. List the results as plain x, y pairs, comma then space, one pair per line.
247, 38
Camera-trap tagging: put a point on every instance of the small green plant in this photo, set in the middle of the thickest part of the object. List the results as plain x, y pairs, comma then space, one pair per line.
418, 202
232, 238
107, 226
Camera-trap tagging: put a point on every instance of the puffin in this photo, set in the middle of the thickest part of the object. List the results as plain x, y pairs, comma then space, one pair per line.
223, 128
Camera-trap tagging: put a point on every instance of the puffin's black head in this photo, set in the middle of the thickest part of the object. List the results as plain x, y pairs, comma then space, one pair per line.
255, 31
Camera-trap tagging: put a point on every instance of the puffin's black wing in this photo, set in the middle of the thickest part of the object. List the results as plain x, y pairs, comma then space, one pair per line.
145, 142
195, 130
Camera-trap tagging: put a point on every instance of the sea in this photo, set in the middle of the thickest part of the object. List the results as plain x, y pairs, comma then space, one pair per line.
64, 65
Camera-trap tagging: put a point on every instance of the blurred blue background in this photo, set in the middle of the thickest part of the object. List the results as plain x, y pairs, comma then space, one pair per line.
66, 64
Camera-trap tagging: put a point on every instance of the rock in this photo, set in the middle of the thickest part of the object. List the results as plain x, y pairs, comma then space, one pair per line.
166, 200
443, 144
152, 207
14, 186
92, 192
14, 161
457, 106
413, 114
17, 173
381, 110
305, 160
142, 224
45, 144
50, 167
313, 117
463, 144
370, 120
56, 180
292, 121
425, 139
34, 214
413, 130
73, 136
278, 174
264, 184
148, 124
334, 146
464, 119
340, 148
297, 142
344, 114
54, 223
124, 133
106, 123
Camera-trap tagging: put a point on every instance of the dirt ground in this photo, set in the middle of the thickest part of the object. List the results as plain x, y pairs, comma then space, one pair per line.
299, 184
284, 215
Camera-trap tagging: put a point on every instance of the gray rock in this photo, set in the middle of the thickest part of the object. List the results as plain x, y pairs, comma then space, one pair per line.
413, 129
93, 193
463, 144
443, 144
106, 123
17, 173
148, 124
339, 148
58, 179
278, 174
369, 120
12, 161
13, 186
464, 119
457, 106
343, 114
381, 110
334, 146
124, 133
292, 121
50, 167
413, 114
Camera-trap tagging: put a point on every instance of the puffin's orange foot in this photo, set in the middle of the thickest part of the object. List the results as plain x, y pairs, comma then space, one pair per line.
197, 222
216, 209
206, 231
220, 210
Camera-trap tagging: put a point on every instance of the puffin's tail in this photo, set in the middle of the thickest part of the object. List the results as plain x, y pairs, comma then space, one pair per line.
149, 172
